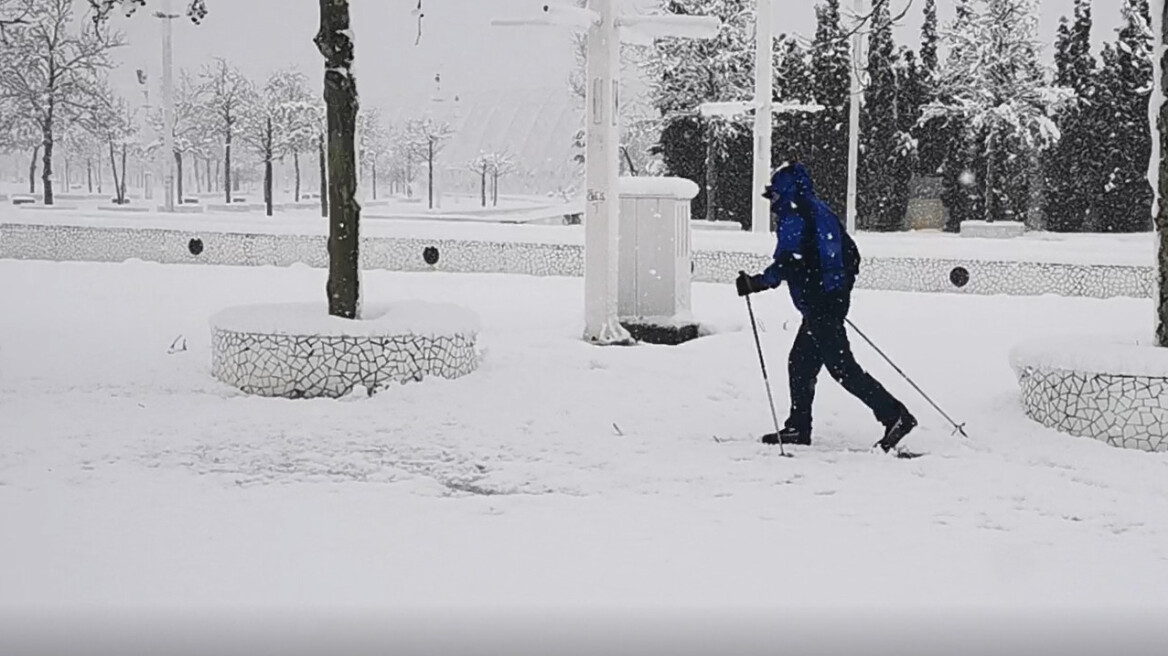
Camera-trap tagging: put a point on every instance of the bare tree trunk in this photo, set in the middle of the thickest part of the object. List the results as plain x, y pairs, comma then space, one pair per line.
409, 175
268, 166
1162, 213
32, 166
47, 164
178, 163
89, 174
268, 184
374, 165
324, 185
296, 165
340, 92
430, 177
210, 178
227, 164
122, 195
119, 194
68, 177
483, 186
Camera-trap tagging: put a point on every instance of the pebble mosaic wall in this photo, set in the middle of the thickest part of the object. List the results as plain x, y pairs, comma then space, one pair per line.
311, 366
74, 243
1123, 411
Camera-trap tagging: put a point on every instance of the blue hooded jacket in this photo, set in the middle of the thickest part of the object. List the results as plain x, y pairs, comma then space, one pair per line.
814, 254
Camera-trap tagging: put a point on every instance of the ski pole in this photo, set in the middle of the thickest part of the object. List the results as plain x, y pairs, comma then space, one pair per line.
957, 428
765, 379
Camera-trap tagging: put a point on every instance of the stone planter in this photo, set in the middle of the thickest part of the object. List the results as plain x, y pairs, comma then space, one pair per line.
296, 350
1109, 390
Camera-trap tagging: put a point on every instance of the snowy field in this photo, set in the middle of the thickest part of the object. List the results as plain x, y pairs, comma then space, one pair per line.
562, 481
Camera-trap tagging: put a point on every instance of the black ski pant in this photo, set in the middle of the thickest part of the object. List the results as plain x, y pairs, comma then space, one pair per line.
823, 342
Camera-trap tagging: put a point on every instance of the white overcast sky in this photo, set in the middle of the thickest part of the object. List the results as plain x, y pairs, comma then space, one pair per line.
263, 35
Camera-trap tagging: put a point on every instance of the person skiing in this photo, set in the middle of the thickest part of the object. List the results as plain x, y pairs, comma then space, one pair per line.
819, 261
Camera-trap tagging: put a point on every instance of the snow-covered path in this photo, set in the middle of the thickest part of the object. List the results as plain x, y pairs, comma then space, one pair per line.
558, 475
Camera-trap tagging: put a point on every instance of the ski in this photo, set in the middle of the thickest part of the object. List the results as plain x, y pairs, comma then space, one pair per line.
900, 453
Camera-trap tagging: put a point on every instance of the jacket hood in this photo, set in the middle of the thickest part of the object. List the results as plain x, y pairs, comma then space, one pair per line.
791, 181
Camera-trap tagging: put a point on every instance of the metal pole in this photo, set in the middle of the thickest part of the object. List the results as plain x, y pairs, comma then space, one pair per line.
602, 165
765, 378
168, 106
957, 428
763, 109
857, 97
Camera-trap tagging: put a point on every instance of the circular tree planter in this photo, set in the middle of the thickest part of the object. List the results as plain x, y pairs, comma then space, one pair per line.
1109, 390
296, 350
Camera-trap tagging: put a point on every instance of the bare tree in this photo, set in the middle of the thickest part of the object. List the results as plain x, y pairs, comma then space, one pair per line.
334, 40
501, 163
50, 69
294, 115
481, 166
375, 143
319, 117
193, 126
112, 123
426, 138
19, 133
13, 13
228, 96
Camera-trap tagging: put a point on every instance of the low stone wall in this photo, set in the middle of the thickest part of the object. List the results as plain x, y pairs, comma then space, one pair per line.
297, 351
909, 274
1117, 394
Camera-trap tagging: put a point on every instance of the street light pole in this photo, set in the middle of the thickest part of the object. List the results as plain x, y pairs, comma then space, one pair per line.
602, 208
857, 98
168, 169
763, 120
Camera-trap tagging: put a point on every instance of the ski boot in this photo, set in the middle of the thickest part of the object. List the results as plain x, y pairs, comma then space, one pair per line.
895, 430
788, 436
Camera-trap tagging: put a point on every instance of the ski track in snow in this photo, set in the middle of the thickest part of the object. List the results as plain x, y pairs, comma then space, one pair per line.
642, 462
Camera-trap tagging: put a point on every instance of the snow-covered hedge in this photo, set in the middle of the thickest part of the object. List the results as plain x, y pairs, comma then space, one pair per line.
1108, 389
295, 350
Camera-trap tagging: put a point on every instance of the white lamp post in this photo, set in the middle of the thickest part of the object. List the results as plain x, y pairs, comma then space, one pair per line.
605, 29
763, 124
854, 116
167, 104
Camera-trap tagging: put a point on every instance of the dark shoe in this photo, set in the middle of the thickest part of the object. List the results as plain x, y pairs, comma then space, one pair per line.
788, 436
895, 430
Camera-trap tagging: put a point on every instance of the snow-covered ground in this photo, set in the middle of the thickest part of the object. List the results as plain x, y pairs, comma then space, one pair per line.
560, 477
1082, 249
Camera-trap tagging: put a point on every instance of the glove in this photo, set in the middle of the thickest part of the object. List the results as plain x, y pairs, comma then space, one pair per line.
746, 284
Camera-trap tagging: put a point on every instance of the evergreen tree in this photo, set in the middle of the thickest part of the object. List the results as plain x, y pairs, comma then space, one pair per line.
994, 86
930, 136
831, 88
912, 90
793, 80
690, 72
793, 132
1071, 170
1125, 204
1062, 57
885, 152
